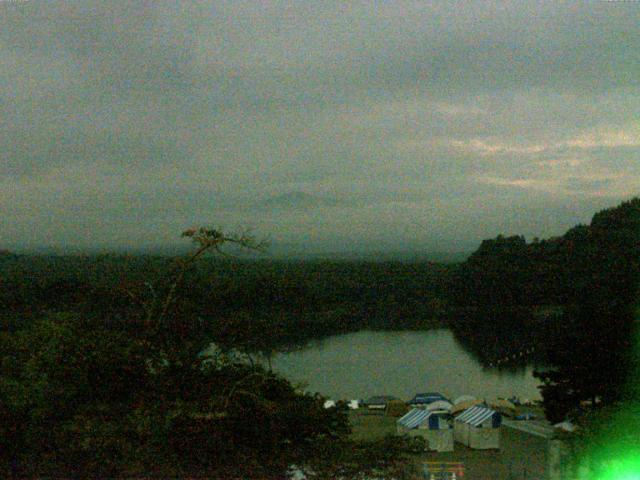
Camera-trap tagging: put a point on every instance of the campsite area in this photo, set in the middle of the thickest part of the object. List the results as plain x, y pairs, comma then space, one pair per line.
521, 455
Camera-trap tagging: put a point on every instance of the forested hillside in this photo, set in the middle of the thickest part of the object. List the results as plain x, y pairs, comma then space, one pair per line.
556, 271
591, 275
571, 298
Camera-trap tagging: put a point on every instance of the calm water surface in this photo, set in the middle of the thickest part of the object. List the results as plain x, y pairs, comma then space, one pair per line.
362, 364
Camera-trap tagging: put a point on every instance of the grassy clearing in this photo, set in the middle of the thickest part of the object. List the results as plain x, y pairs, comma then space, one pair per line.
522, 456
371, 426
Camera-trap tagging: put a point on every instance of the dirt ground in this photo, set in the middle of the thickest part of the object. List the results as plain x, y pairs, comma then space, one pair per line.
521, 457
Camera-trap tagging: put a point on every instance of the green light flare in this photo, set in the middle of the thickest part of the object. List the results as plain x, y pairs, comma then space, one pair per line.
614, 451
625, 469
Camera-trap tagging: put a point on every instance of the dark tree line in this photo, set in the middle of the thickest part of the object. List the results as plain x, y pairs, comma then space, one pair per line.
301, 300
595, 352
133, 390
592, 273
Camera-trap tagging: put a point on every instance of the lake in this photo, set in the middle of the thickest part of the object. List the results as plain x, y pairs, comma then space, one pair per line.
366, 363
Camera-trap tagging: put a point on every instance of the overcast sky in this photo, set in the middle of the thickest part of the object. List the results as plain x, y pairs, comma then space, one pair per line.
344, 125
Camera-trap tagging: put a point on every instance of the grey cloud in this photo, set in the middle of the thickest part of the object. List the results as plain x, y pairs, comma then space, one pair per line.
148, 115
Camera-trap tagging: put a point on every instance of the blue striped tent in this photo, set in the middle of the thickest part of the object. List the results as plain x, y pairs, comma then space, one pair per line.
434, 427
478, 427
418, 417
414, 418
477, 415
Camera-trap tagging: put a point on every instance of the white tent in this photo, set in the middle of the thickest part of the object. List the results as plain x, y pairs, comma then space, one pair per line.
478, 427
464, 398
354, 404
440, 405
434, 427
465, 405
329, 404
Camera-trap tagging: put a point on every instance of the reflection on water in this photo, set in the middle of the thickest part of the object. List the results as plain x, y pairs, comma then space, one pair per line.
362, 364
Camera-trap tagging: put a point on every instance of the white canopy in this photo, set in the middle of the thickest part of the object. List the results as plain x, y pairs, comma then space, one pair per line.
464, 398
439, 405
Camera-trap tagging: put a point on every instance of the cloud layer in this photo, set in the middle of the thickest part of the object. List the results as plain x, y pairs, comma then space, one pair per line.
414, 124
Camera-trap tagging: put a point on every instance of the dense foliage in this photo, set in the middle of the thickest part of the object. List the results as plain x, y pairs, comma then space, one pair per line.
107, 370
298, 300
129, 391
593, 354
592, 273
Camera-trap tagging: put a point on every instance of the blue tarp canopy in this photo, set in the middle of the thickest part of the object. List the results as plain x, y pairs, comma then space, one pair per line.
526, 416
426, 398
